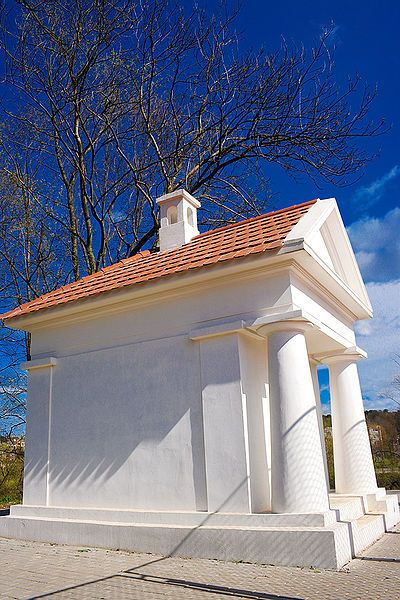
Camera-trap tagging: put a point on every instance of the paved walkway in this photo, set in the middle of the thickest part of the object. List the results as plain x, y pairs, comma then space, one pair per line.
36, 570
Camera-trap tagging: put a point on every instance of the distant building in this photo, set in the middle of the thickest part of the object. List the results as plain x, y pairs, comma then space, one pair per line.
375, 436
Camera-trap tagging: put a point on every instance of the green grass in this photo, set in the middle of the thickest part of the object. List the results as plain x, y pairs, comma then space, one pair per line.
11, 474
7, 501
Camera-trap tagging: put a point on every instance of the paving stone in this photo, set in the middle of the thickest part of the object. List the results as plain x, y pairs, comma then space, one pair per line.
35, 570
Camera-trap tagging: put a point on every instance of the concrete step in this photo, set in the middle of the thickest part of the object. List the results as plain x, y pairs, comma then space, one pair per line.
180, 518
395, 493
365, 531
305, 540
368, 516
387, 505
347, 508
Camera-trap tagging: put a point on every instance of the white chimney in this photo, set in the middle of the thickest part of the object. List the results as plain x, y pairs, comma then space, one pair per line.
178, 217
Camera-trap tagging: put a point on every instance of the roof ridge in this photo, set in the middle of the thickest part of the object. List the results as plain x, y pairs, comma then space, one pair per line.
256, 218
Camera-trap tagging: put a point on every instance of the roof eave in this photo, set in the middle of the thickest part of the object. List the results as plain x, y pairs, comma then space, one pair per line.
176, 285
151, 291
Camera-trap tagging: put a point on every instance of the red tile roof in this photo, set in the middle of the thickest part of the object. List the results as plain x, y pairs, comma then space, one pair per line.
252, 236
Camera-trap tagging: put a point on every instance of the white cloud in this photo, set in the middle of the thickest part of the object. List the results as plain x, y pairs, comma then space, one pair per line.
376, 243
379, 403
324, 388
380, 337
369, 195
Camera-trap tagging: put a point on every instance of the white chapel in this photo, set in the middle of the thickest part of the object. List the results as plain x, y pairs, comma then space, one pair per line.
173, 398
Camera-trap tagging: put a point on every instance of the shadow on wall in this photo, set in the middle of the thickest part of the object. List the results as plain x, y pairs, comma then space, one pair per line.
122, 416
127, 429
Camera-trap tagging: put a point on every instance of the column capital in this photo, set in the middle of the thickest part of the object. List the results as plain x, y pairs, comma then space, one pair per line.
220, 329
346, 355
39, 363
295, 326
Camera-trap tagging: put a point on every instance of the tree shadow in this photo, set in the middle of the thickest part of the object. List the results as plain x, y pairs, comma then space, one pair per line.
133, 575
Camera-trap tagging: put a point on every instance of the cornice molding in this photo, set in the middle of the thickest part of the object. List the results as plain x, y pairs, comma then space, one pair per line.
323, 292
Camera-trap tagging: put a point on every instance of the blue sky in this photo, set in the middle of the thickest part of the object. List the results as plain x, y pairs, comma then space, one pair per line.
367, 43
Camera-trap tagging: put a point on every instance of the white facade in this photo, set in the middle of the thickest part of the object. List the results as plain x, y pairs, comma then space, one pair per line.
183, 416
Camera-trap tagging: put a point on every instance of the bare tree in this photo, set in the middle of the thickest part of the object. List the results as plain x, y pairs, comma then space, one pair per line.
12, 384
32, 262
396, 379
126, 100
393, 393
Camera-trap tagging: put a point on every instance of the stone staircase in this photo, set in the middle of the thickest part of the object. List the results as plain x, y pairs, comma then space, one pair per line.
367, 517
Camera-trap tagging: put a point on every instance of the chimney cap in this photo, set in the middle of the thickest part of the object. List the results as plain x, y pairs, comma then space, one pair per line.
178, 194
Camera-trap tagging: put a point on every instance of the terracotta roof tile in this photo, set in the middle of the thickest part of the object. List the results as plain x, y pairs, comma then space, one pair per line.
252, 236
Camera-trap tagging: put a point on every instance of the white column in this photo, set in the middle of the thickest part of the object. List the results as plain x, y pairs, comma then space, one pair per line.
298, 481
354, 467
38, 431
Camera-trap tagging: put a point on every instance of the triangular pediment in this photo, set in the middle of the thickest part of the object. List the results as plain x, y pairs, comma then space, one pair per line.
322, 233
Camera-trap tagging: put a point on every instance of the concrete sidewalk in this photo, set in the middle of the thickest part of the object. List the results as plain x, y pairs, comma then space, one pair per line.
37, 570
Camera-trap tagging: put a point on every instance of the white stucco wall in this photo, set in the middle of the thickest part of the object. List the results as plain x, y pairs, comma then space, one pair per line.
37, 437
127, 428
141, 416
